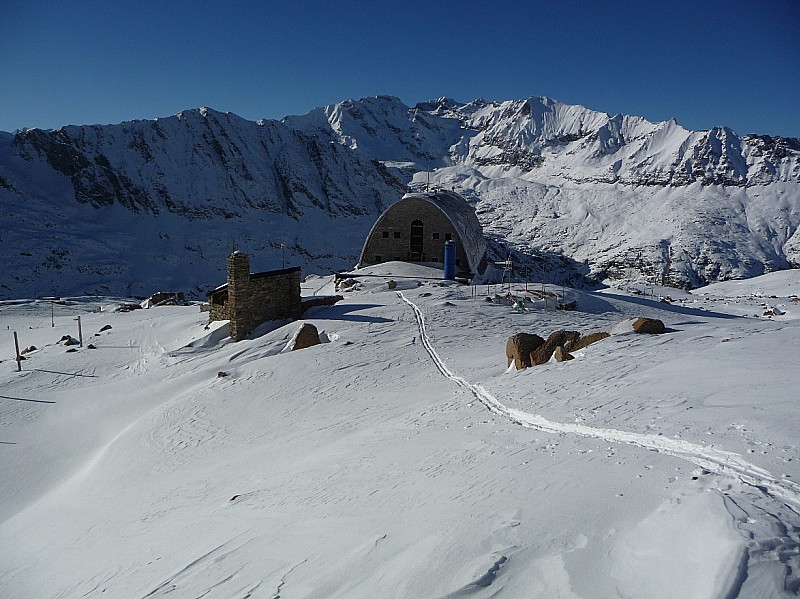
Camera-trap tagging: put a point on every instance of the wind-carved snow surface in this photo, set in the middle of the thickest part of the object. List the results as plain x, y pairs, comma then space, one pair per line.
171, 461
711, 458
581, 194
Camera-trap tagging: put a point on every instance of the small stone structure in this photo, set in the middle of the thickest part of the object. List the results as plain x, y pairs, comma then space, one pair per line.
248, 300
167, 298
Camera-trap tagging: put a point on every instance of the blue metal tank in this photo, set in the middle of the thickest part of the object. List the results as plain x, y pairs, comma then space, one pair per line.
450, 259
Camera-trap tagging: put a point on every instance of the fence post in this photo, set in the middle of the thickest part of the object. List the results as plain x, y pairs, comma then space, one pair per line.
19, 357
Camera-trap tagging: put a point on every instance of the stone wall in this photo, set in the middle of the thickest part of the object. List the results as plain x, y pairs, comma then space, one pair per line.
252, 299
218, 305
273, 295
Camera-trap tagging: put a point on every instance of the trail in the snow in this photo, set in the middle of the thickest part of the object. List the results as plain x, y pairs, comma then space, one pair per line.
715, 460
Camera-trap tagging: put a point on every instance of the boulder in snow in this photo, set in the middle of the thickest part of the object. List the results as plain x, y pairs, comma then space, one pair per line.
519, 348
562, 355
652, 326
586, 340
306, 336
542, 354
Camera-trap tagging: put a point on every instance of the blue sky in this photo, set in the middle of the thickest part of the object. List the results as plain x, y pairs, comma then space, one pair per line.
734, 63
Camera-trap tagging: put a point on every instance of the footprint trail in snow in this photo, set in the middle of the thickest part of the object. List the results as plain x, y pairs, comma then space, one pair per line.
712, 459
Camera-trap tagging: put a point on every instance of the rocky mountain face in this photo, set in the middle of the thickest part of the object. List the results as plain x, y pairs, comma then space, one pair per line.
570, 192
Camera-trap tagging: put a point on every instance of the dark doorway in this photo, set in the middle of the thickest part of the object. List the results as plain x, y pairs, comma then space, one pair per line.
416, 240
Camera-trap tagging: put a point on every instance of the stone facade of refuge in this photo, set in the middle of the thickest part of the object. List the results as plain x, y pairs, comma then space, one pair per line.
248, 300
415, 230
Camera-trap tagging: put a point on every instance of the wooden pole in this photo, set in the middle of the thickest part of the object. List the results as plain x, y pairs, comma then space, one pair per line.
80, 332
19, 357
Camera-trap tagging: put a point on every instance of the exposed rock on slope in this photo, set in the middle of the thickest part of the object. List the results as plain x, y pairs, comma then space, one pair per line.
206, 164
159, 203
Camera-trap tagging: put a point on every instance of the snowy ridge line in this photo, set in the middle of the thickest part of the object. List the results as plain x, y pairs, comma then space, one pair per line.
712, 459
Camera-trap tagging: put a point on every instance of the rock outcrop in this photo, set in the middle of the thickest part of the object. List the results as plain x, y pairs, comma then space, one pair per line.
571, 189
543, 354
528, 349
586, 340
519, 348
562, 355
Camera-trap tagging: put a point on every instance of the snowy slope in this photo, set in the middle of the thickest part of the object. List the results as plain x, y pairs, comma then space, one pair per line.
401, 458
142, 205
627, 197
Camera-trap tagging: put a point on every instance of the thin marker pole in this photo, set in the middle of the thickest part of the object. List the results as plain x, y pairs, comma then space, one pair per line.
19, 357
80, 332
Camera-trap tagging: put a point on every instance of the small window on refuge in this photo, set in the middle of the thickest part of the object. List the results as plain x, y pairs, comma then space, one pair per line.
436, 236
458, 262
448, 236
385, 234
378, 258
435, 258
397, 234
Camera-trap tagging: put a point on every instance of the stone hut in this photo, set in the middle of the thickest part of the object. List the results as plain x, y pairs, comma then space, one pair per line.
416, 228
248, 300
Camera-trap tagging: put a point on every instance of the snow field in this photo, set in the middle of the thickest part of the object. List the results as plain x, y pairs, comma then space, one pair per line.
368, 466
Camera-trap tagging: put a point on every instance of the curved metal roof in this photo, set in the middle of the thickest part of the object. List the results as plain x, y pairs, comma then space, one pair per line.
459, 213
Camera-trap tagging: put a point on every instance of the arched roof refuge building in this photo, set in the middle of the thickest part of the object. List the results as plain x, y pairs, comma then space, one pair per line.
415, 229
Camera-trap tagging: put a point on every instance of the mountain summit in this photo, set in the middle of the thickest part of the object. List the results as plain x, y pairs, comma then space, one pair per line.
145, 204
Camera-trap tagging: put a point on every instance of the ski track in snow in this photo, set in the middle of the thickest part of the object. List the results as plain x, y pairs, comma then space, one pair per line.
712, 459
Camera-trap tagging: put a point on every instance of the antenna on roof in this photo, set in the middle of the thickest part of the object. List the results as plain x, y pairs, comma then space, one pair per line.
233, 245
428, 184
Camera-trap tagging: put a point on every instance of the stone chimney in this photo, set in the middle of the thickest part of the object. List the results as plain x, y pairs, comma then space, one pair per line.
238, 294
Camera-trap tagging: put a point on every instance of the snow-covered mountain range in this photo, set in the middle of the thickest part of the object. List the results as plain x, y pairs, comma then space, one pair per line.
574, 193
